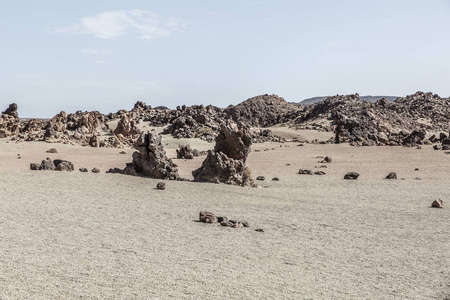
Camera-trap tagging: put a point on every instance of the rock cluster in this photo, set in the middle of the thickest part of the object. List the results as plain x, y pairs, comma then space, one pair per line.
56, 165
208, 217
80, 128
410, 121
226, 163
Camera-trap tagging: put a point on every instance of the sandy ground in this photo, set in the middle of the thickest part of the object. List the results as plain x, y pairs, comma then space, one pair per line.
109, 236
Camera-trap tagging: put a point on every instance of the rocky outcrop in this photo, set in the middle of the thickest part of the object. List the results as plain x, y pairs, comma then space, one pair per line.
150, 159
226, 163
9, 121
410, 121
126, 127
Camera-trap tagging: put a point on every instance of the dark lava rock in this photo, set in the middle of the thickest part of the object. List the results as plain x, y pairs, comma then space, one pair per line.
351, 175
305, 172
207, 217
161, 186
391, 175
437, 203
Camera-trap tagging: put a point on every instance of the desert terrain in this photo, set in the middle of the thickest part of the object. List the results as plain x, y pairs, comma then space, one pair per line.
73, 235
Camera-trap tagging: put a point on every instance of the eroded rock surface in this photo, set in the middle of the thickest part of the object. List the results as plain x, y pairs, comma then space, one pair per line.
226, 163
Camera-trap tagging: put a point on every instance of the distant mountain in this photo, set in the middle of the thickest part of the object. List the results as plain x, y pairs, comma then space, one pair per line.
364, 98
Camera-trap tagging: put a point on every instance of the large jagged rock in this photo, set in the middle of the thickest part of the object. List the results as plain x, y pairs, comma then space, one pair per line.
150, 159
126, 127
226, 163
9, 121
11, 111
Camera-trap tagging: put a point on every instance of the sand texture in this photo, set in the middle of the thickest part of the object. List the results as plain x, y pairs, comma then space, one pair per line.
109, 236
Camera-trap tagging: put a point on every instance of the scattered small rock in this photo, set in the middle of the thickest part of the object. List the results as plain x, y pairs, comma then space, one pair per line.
391, 175
244, 223
351, 175
52, 150
161, 186
305, 172
319, 173
84, 170
207, 217
416, 169
275, 179
222, 219
438, 203
259, 229
123, 152
260, 178
35, 167
326, 160
95, 170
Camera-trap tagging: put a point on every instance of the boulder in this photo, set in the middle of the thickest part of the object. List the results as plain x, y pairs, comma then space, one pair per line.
47, 164
391, 175
63, 165
185, 151
126, 127
437, 203
207, 217
161, 186
11, 111
35, 167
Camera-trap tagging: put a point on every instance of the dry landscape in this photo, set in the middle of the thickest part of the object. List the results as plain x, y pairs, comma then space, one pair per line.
70, 235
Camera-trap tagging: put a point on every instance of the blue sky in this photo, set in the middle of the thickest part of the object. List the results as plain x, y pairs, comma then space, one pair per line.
105, 55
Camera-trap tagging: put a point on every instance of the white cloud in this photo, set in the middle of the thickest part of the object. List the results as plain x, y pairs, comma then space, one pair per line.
110, 25
96, 52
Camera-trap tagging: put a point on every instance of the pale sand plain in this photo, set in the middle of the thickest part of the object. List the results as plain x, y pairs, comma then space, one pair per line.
109, 236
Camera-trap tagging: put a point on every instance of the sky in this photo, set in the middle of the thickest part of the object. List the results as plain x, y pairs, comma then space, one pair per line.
106, 55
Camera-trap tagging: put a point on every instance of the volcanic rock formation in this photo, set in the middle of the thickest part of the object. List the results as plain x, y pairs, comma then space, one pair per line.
226, 163
150, 159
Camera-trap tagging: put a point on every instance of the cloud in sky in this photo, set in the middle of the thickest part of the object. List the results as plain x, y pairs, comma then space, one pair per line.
111, 25
96, 51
